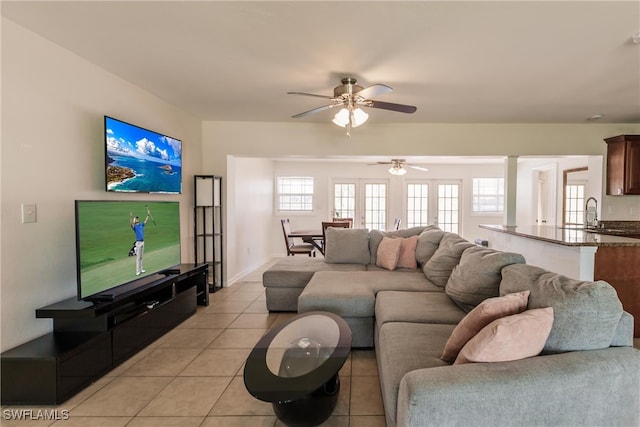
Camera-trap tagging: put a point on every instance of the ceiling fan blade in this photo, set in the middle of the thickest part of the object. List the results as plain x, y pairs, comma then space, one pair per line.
310, 94
373, 91
420, 168
315, 110
401, 108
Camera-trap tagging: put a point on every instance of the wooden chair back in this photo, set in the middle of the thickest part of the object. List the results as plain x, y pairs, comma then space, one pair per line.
349, 220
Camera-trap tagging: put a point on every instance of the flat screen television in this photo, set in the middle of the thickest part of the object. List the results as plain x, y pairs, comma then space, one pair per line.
139, 160
106, 250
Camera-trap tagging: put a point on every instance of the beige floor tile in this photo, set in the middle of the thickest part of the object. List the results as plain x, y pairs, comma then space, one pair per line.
366, 398
212, 321
187, 396
367, 421
124, 396
239, 421
165, 422
258, 306
118, 370
253, 320
282, 317
86, 393
163, 362
238, 338
344, 399
241, 295
363, 362
226, 306
217, 362
255, 286
345, 371
93, 422
189, 338
332, 421
236, 400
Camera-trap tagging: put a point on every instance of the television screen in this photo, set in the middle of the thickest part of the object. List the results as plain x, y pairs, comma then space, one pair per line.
118, 242
140, 160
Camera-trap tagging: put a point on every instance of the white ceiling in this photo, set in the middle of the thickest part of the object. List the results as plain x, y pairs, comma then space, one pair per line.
457, 61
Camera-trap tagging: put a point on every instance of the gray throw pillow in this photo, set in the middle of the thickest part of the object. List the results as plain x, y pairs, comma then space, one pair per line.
586, 314
428, 243
447, 256
478, 275
346, 246
376, 236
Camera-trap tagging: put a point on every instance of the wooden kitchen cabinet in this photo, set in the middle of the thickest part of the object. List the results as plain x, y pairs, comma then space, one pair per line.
623, 165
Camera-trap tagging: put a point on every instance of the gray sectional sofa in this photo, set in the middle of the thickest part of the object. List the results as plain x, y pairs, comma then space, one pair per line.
587, 372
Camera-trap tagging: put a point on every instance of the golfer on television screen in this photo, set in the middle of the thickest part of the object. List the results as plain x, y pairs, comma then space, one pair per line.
138, 229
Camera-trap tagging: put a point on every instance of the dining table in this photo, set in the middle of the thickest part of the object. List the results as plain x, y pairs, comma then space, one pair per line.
314, 237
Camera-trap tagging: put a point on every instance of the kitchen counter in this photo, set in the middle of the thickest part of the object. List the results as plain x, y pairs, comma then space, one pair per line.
579, 254
565, 236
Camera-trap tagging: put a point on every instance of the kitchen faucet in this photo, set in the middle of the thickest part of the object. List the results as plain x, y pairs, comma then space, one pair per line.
591, 213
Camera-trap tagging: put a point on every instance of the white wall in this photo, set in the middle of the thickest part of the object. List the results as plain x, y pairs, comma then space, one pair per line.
53, 104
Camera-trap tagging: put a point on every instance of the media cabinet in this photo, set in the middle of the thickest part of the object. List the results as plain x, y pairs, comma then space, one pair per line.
91, 338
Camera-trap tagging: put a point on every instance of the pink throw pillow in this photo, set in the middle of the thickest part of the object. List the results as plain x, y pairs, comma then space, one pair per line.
388, 253
483, 314
407, 258
509, 338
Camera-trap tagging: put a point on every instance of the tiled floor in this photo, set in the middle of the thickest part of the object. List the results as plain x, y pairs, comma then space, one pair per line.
192, 376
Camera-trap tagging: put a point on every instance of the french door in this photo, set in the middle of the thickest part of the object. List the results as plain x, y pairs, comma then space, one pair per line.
366, 201
435, 202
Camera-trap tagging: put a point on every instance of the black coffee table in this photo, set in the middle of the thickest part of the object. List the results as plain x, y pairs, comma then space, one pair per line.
295, 367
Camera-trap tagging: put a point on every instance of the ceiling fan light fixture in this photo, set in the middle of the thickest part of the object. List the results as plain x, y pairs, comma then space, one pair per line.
397, 170
341, 118
358, 117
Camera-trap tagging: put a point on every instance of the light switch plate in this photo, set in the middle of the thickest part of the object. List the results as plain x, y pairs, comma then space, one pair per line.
29, 213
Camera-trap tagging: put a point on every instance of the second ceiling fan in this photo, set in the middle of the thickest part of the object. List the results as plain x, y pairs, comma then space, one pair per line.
350, 97
397, 166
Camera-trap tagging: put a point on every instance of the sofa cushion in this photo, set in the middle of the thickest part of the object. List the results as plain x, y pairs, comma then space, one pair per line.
416, 307
489, 310
406, 347
428, 243
346, 246
586, 314
510, 338
446, 257
407, 258
376, 236
388, 253
478, 275
295, 272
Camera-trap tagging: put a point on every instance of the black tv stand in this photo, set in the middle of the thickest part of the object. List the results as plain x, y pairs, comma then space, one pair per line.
90, 338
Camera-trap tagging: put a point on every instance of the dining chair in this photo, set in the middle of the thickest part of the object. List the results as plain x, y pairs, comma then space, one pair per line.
349, 220
292, 247
396, 224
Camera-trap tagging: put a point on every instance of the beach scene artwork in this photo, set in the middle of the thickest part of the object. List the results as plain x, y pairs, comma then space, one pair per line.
140, 160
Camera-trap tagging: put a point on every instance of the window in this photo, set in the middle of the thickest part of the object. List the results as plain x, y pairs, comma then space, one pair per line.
574, 204
295, 193
417, 205
375, 206
344, 200
488, 195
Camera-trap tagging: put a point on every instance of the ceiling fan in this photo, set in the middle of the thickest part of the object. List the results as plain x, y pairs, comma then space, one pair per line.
397, 166
350, 97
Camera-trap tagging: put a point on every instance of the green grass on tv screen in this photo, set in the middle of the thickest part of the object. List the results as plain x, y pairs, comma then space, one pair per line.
105, 239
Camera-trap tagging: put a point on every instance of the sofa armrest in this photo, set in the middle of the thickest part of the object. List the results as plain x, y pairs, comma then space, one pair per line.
596, 387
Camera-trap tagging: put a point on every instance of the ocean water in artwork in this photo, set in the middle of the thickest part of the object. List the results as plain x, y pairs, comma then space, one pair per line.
143, 175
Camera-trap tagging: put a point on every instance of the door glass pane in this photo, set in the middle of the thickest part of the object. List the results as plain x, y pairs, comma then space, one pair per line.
344, 200
375, 198
448, 207
574, 202
417, 205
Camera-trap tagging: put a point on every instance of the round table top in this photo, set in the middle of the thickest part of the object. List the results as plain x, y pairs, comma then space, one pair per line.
297, 357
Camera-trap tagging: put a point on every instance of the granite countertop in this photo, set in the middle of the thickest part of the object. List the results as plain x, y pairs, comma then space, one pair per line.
564, 236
